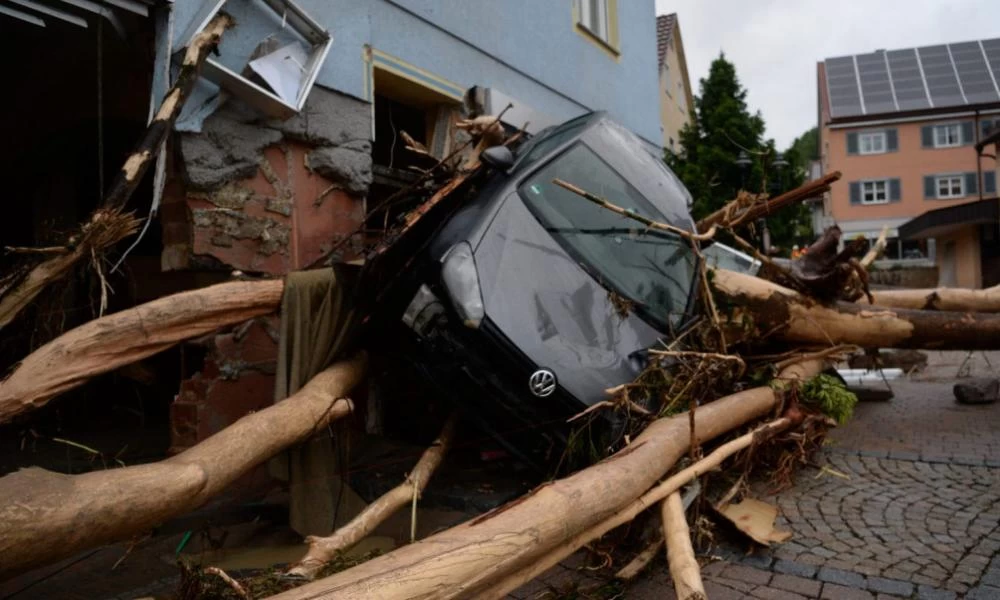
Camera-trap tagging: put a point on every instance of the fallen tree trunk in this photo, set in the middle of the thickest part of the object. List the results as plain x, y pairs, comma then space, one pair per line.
324, 549
733, 214
124, 337
952, 299
489, 554
96, 235
510, 583
48, 516
782, 314
680, 553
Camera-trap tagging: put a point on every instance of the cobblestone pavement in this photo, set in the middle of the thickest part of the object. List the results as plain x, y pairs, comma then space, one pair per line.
917, 516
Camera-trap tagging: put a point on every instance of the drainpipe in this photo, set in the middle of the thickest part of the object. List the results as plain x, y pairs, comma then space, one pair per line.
979, 157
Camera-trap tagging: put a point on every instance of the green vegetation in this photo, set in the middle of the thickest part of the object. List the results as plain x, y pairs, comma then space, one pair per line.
831, 396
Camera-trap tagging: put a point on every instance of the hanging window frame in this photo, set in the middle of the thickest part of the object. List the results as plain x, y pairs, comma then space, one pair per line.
257, 96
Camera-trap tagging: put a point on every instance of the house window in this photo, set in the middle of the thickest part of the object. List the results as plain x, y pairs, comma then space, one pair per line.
950, 186
594, 18
871, 143
947, 136
875, 192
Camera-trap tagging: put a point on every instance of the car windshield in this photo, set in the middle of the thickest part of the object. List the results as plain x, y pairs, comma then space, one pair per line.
652, 268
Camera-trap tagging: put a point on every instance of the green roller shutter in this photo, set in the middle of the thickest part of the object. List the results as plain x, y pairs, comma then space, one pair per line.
855, 192
891, 140
927, 136
971, 184
930, 191
990, 182
852, 143
895, 191
968, 133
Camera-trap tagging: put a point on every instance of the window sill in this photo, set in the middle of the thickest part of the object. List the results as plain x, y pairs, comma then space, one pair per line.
593, 38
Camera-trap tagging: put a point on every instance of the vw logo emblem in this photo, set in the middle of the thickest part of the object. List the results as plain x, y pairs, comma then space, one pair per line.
542, 383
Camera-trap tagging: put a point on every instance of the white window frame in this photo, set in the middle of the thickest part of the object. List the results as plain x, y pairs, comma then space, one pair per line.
599, 24
942, 135
949, 184
871, 187
873, 142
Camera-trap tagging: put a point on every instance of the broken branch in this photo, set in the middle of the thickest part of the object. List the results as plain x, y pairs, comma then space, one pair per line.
701, 237
41, 506
730, 216
680, 553
105, 344
495, 553
96, 235
324, 549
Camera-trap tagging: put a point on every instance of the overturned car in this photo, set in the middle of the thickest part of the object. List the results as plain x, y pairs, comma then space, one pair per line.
529, 301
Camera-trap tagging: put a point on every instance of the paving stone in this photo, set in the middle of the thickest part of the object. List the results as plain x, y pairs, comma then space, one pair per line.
983, 592
832, 591
746, 574
841, 577
799, 585
890, 586
768, 593
757, 561
716, 591
794, 568
926, 592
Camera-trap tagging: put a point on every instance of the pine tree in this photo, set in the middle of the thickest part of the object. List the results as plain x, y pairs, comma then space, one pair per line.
722, 127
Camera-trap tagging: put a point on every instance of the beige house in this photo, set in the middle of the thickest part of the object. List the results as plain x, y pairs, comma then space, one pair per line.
676, 100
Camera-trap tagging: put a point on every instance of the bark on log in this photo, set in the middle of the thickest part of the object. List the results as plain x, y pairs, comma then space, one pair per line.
324, 549
951, 299
124, 337
785, 315
125, 183
731, 216
48, 516
680, 553
510, 583
504, 548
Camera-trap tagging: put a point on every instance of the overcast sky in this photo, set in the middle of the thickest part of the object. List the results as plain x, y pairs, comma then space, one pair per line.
775, 44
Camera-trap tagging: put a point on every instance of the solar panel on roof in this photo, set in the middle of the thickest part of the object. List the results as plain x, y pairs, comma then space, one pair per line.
992, 50
876, 88
973, 74
842, 85
907, 80
942, 76
939, 73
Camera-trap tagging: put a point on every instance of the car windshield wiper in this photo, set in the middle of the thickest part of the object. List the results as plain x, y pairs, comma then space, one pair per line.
613, 230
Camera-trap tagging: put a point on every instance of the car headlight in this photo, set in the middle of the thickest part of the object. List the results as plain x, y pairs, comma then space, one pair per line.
461, 280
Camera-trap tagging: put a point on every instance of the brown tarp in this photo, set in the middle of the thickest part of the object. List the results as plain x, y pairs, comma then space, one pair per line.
317, 323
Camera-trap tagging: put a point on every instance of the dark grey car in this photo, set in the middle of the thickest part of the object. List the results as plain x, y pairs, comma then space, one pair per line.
520, 303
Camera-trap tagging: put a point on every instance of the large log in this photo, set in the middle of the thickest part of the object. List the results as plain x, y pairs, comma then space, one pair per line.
124, 337
508, 584
95, 235
48, 516
471, 559
952, 299
782, 314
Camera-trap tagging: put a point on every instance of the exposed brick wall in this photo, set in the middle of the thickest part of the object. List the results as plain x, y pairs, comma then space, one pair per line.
262, 197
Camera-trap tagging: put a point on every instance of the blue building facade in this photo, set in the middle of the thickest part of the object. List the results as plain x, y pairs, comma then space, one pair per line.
541, 53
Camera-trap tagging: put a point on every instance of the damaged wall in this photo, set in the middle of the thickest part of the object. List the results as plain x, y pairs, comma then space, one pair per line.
268, 196
263, 197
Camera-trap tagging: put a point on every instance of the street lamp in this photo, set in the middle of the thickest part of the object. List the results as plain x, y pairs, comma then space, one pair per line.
743, 162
